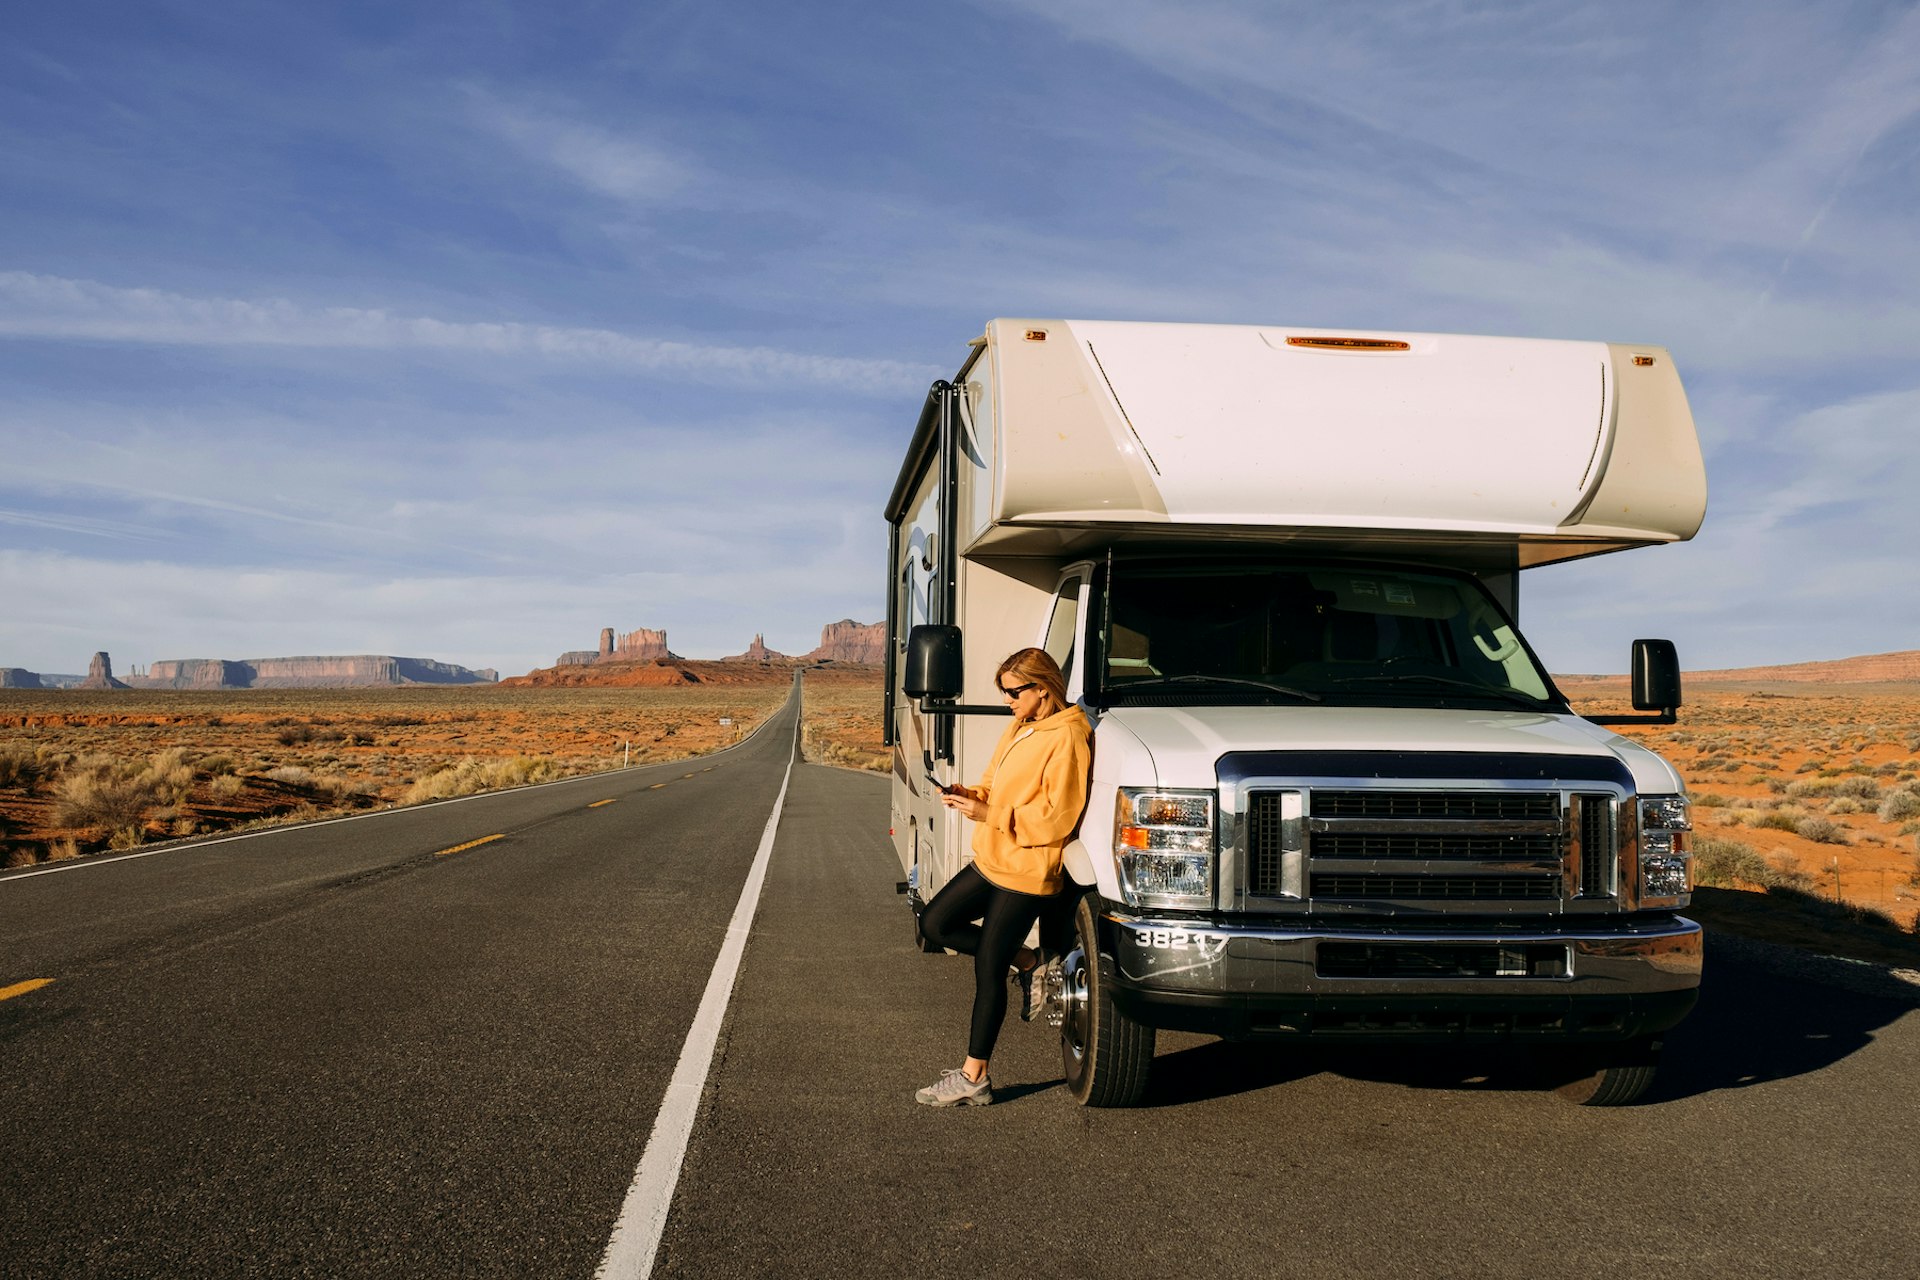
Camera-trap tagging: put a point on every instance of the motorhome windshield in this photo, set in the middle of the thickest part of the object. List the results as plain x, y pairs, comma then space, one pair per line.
1350, 636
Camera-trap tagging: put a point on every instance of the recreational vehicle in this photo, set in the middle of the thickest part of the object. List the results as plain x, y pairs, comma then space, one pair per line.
1335, 795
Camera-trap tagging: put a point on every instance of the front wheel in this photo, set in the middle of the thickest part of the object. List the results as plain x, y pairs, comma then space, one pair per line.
1106, 1055
1616, 1078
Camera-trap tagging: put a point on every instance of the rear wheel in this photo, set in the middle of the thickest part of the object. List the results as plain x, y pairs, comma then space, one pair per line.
1106, 1055
1614, 1078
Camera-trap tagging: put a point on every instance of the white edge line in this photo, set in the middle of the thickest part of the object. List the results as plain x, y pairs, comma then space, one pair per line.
643, 1215
82, 864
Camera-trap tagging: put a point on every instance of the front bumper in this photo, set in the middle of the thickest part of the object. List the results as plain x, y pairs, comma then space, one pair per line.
1592, 981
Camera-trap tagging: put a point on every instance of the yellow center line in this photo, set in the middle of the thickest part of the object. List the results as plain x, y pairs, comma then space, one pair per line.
686, 775
461, 848
656, 786
597, 803
21, 988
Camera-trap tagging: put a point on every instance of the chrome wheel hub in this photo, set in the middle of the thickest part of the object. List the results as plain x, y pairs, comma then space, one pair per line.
1070, 1012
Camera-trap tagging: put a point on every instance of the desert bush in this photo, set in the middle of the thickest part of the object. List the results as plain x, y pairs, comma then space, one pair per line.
64, 849
1812, 788
1820, 830
21, 856
292, 775
21, 765
1859, 788
171, 773
1723, 863
216, 766
226, 786
1785, 818
98, 794
1711, 800
1899, 805
1845, 804
472, 776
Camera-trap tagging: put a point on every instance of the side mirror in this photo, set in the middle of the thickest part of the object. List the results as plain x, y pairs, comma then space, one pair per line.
1656, 675
933, 663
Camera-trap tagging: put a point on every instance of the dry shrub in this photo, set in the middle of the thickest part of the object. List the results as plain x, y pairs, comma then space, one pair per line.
20, 857
1725, 863
97, 794
1900, 805
225, 786
21, 765
472, 776
1820, 830
64, 849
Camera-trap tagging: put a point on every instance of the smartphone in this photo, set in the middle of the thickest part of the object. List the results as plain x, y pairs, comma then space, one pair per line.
939, 786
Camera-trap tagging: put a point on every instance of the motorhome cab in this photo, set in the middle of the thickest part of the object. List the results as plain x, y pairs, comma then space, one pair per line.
1334, 794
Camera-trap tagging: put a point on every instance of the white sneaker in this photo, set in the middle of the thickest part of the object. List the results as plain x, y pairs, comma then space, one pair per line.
953, 1089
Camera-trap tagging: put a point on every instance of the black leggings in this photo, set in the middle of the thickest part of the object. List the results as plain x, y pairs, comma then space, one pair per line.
1005, 917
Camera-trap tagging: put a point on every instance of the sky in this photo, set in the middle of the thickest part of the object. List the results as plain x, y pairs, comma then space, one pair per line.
463, 330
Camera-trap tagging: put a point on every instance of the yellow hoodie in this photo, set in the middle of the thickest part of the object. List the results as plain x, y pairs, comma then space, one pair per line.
1034, 787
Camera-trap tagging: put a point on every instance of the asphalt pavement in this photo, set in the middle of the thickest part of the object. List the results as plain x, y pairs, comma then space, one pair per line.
343, 1050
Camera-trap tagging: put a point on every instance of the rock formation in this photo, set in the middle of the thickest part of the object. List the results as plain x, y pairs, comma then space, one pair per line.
758, 652
644, 645
856, 643
19, 678
100, 674
306, 673
198, 673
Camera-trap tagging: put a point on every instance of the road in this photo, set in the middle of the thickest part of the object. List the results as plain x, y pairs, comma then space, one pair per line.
343, 1050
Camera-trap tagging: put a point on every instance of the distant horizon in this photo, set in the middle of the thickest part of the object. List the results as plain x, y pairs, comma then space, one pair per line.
132, 667
503, 672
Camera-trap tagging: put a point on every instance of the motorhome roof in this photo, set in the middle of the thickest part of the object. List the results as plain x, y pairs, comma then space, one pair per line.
1337, 438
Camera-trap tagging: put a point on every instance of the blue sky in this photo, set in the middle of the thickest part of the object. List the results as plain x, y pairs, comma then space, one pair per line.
461, 331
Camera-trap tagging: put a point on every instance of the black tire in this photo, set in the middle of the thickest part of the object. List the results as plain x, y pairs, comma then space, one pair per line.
1106, 1055
1618, 1077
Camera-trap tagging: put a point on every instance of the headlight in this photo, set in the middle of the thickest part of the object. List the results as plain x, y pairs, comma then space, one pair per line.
1164, 843
1666, 861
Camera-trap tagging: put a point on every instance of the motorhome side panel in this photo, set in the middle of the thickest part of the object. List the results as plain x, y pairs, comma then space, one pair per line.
918, 597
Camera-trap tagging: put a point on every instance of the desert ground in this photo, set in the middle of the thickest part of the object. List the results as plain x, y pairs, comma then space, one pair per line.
1804, 791
1799, 786
84, 771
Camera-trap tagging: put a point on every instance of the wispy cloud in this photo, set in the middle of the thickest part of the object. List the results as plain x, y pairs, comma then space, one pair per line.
41, 306
624, 167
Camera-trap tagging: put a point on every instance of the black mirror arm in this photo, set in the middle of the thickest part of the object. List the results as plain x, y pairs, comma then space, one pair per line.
1670, 715
937, 707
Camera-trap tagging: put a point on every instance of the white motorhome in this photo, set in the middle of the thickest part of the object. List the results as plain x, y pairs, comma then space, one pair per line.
1334, 793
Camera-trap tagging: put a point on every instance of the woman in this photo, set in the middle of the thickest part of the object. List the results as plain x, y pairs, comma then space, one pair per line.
1027, 804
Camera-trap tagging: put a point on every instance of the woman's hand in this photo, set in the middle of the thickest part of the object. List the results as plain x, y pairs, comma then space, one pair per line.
966, 802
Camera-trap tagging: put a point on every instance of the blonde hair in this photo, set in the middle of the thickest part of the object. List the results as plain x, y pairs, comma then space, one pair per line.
1036, 666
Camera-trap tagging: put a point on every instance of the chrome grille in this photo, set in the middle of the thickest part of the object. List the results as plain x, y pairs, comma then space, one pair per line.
1430, 845
1418, 887
1336, 845
1437, 804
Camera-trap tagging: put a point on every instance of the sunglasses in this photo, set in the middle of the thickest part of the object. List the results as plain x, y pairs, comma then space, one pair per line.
1019, 689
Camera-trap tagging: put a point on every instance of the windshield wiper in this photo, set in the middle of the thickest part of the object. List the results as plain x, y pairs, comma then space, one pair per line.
1266, 686
1512, 697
